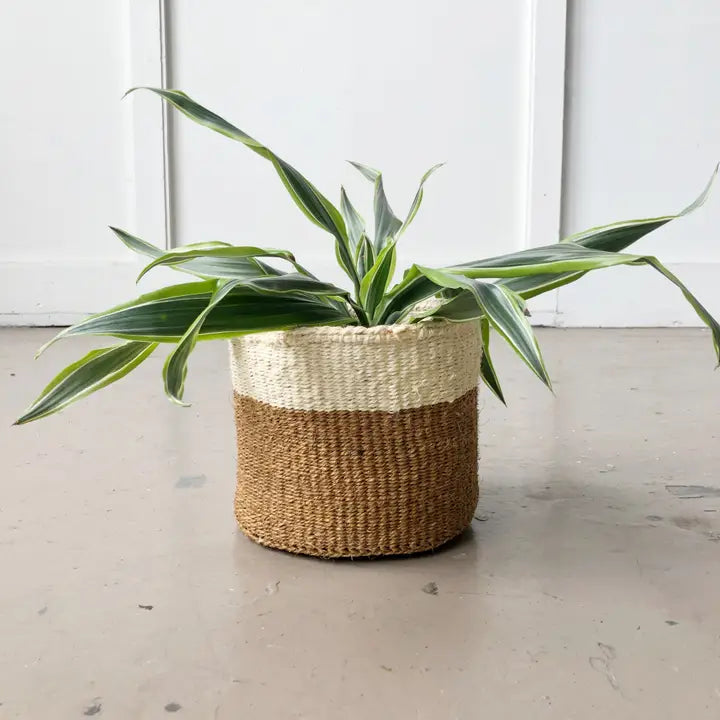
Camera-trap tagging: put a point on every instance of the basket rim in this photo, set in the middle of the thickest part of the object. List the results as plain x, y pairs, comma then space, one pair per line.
323, 334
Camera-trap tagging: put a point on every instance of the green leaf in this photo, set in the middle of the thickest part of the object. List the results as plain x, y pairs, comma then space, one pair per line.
464, 307
402, 298
505, 312
487, 370
568, 257
376, 281
165, 315
136, 244
367, 172
560, 257
460, 308
345, 261
701, 311
310, 200
162, 301
94, 371
353, 220
387, 224
614, 237
295, 283
225, 257
529, 281
418, 199
203, 116
306, 196
365, 256
175, 368
314, 205
201, 267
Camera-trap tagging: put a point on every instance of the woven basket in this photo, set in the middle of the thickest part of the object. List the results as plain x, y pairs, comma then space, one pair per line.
357, 441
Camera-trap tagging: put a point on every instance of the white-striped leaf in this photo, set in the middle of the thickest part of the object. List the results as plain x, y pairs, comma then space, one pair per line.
366, 171
417, 200
560, 257
315, 206
387, 224
377, 279
556, 258
505, 312
487, 369
459, 308
201, 267
96, 370
175, 368
365, 256
165, 315
700, 309
568, 257
353, 220
404, 296
229, 259
295, 283
614, 237
463, 307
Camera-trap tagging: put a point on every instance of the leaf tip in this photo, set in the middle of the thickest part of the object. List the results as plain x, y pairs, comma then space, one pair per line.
25, 418
178, 401
50, 342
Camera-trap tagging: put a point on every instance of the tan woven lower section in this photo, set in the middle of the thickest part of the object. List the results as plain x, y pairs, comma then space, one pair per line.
356, 483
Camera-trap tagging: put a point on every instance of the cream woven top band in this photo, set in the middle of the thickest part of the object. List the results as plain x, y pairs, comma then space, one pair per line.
386, 368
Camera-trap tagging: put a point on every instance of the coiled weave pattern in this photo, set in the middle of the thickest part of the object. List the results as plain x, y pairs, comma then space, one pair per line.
357, 441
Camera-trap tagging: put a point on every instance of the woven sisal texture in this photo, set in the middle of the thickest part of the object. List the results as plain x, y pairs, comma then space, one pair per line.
386, 368
357, 441
356, 483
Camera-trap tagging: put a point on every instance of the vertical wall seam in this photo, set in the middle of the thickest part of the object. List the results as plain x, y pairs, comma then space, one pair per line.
166, 122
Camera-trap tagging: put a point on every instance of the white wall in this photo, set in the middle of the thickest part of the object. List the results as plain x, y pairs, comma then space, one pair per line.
400, 85
642, 135
70, 161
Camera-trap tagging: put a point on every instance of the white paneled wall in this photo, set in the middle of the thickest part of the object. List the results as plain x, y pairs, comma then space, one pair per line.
486, 86
74, 158
642, 134
399, 86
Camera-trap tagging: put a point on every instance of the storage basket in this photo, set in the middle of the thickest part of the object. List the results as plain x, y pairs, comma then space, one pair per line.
357, 441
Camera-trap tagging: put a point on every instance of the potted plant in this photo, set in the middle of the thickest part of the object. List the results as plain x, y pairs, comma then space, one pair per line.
356, 411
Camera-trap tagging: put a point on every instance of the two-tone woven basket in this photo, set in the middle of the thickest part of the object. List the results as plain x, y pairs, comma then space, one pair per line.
357, 441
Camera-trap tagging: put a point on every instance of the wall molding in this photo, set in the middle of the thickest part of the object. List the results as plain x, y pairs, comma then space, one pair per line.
544, 136
147, 123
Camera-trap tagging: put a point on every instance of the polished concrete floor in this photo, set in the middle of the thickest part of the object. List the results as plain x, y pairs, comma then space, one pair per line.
588, 586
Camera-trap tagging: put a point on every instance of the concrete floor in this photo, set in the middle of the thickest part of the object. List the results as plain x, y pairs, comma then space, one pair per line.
588, 587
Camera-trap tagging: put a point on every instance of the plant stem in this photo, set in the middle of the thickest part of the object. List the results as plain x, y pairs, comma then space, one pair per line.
361, 314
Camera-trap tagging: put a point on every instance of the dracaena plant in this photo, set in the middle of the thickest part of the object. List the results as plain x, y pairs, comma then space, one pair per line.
242, 290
